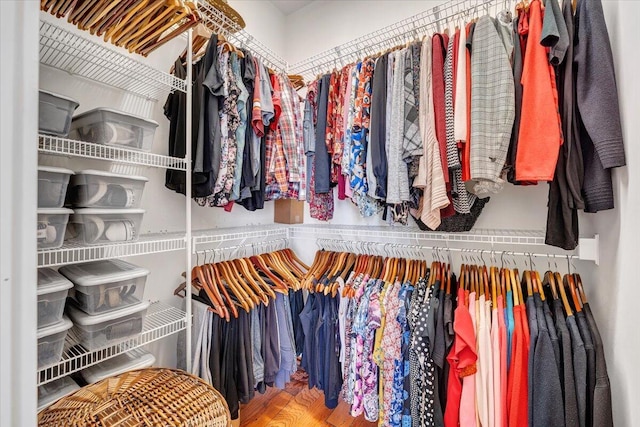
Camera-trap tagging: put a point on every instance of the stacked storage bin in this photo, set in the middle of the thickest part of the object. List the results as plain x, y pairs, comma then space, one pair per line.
106, 302
55, 113
106, 207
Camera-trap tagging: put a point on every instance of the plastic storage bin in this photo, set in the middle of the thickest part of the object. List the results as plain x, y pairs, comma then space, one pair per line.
111, 127
97, 189
100, 226
103, 330
135, 359
105, 286
49, 393
52, 224
52, 294
51, 342
52, 186
55, 112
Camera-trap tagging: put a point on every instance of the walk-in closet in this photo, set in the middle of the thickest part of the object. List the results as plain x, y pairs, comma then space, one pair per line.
319, 213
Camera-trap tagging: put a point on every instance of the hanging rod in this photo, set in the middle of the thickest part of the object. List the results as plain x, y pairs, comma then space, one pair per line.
220, 23
392, 35
396, 249
256, 249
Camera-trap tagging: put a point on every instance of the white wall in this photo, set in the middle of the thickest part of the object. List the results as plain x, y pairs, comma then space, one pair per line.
611, 286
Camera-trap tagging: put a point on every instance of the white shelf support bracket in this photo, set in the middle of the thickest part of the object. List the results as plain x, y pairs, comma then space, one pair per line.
589, 249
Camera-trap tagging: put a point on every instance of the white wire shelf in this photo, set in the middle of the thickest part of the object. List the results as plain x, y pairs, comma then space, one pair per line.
219, 23
415, 235
392, 35
48, 144
161, 321
90, 58
243, 234
75, 252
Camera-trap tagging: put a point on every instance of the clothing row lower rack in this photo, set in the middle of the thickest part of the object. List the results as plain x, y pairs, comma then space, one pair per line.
404, 250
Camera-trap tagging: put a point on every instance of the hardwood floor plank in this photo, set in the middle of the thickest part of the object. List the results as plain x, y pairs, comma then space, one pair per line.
269, 411
297, 406
340, 416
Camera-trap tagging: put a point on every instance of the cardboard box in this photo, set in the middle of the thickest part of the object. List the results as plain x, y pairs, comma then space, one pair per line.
289, 211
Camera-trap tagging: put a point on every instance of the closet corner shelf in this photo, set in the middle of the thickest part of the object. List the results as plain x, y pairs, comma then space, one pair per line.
48, 144
162, 320
90, 58
219, 23
73, 252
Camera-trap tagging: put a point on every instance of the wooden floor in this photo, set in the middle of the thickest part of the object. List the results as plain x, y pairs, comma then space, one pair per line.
296, 406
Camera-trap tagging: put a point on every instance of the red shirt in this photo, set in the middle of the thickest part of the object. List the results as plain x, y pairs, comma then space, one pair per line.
462, 359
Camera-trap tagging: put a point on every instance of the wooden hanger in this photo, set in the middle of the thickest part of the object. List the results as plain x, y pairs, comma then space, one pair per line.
581, 293
563, 295
200, 274
577, 305
97, 12
259, 263
99, 28
159, 25
528, 282
550, 279
128, 24
262, 292
494, 287
216, 280
516, 287
252, 298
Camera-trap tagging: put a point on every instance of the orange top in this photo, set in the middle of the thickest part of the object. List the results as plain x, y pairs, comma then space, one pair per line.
517, 383
540, 137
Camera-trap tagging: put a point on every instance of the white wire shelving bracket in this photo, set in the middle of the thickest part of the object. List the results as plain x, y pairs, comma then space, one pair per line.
161, 321
219, 23
219, 235
90, 58
48, 144
392, 35
74, 252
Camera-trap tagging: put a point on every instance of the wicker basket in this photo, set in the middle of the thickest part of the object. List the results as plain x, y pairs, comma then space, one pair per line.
147, 397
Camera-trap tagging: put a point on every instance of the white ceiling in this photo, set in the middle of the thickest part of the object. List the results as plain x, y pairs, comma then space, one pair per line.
289, 6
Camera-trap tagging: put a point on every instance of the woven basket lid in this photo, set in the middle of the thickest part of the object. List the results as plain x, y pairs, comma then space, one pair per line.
231, 13
146, 397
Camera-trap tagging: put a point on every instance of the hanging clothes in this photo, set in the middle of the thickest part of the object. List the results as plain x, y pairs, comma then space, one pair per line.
540, 138
597, 101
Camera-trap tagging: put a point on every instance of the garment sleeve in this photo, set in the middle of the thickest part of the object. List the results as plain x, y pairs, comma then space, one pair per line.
596, 89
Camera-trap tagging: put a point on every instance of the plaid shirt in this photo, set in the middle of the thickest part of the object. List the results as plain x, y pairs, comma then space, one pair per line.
290, 135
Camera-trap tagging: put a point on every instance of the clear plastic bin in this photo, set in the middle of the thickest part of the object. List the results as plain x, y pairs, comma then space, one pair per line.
49, 393
97, 189
111, 127
103, 330
55, 113
52, 224
52, 295
52, 186
102, 226
51, 342
135, 359
103, 286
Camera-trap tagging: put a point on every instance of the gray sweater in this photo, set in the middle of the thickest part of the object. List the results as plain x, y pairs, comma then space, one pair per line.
597, 98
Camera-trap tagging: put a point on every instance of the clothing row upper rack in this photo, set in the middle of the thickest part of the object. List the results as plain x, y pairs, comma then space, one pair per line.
401, 32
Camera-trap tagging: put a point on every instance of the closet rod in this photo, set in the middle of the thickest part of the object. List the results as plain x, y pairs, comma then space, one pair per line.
256, 248
365, 247
392, 35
